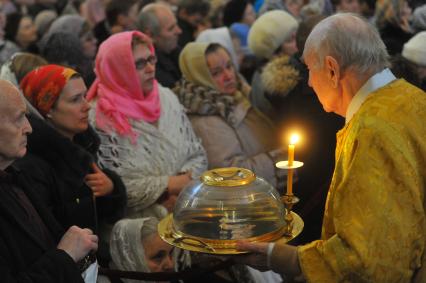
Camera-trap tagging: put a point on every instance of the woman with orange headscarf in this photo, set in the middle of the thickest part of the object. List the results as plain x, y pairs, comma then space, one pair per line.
146, 136
62, 152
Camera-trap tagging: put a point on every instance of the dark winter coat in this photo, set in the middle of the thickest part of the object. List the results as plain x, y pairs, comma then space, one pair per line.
167, 69
53, 158
24, 257
297, 107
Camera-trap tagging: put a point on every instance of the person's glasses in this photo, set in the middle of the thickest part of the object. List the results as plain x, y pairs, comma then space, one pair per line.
141, 63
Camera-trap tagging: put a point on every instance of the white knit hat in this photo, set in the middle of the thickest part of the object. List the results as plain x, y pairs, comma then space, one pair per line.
415, 49
270, 31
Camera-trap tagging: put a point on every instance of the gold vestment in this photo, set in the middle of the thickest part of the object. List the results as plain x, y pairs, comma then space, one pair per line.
374, 227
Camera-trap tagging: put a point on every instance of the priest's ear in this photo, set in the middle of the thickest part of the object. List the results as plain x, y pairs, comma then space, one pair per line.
333, 70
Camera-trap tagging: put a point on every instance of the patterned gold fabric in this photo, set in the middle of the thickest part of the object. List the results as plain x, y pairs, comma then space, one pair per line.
374, 226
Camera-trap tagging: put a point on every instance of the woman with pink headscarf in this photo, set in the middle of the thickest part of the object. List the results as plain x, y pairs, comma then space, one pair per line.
146, 136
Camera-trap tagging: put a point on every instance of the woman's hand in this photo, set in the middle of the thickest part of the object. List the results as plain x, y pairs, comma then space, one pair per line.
169, 203
177, 183
100, 183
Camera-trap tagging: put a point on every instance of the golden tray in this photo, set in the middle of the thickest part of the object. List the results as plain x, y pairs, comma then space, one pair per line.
180, 240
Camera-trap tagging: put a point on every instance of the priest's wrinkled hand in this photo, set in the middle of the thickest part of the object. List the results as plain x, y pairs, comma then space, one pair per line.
258, 256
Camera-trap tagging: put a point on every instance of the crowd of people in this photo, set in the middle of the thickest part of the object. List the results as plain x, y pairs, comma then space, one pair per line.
110, 108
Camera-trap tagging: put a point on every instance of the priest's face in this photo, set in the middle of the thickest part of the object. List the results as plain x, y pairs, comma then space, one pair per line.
321, 80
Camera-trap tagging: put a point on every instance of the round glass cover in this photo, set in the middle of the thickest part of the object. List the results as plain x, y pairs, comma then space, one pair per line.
228, 204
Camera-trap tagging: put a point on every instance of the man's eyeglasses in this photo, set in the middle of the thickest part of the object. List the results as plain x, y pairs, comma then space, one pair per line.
141, 63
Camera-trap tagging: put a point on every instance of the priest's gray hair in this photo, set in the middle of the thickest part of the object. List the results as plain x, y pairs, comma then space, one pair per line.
349, 39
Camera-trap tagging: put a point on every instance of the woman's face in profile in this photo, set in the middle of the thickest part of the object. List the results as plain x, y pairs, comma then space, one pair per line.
89, 44
70, 114
158, 254
145, 66
27, 32
222, 71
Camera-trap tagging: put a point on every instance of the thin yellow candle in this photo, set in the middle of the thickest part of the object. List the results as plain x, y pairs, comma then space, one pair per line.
293, 140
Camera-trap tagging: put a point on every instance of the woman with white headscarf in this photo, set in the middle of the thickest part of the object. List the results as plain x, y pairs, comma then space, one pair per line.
136, 246
224, 37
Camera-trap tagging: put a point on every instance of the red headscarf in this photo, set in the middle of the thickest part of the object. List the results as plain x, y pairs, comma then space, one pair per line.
42, 86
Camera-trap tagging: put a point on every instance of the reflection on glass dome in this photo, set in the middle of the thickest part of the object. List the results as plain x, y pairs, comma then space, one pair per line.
228, 204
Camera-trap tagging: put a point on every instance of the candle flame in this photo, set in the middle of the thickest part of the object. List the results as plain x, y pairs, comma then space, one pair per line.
294, 138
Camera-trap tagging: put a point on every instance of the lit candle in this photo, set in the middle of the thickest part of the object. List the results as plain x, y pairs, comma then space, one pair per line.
293, 140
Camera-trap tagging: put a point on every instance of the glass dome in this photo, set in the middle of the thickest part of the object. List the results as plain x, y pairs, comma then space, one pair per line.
228, 204
224, 206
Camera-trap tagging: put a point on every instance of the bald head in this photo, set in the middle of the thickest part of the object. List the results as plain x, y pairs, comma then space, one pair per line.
14, 126
154, 7
158, 21
351, 40
8, 94
149, 19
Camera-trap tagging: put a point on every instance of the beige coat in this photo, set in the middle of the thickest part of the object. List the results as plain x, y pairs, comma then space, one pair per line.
231, 131
246, 145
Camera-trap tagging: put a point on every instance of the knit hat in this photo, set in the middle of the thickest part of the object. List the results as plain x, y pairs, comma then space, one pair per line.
12, 26
233, 11
414, 50
419, 18
270, 31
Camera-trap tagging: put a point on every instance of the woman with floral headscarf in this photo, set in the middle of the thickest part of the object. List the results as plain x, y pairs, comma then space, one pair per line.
232, 131
146, 136
62, 148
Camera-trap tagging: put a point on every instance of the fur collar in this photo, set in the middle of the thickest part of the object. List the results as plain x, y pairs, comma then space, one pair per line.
280, 76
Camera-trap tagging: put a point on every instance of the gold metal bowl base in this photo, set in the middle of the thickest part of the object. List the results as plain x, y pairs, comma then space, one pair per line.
197, 244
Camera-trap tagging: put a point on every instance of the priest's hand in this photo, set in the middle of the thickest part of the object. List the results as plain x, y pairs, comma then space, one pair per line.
258, 256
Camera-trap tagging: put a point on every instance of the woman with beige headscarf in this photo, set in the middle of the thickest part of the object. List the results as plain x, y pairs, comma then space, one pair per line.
232, 131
